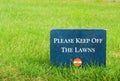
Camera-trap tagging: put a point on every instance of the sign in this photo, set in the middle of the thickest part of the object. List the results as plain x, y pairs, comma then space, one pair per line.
78, 47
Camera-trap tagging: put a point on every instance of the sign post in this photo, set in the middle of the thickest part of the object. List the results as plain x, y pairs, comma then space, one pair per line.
78, 47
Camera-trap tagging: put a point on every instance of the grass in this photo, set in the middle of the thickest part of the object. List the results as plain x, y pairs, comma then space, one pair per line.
25, 31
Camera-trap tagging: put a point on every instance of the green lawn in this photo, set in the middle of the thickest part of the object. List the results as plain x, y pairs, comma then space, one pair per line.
25, 32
